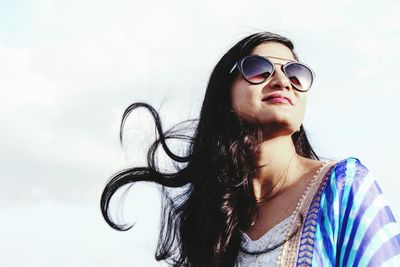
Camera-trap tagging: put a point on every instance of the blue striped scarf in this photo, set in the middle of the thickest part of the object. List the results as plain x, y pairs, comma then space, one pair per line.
352, 225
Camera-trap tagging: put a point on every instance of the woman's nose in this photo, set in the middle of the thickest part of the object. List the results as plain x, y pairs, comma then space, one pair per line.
279, 80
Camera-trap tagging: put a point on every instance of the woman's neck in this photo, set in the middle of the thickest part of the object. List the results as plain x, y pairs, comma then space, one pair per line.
279, 167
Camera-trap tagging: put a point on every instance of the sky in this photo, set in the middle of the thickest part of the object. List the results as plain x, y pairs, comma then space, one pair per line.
68, 69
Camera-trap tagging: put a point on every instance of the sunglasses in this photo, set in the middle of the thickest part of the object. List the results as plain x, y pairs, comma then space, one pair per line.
257, 69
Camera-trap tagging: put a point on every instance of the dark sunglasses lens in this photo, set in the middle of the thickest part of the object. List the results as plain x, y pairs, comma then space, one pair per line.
256, 69
300, 76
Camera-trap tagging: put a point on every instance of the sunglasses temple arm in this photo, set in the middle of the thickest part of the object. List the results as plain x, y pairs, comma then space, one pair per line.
234, 66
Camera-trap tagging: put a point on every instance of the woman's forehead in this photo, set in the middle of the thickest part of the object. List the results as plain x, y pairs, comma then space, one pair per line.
274, 50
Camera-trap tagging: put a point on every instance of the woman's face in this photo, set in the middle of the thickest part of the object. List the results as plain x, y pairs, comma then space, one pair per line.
250, 103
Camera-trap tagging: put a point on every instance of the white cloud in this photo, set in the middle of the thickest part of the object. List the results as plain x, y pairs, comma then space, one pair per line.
54, 234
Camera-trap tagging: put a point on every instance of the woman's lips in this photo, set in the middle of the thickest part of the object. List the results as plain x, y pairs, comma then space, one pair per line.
278, 98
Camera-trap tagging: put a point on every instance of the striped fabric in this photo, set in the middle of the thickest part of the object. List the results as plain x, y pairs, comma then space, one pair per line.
353, 225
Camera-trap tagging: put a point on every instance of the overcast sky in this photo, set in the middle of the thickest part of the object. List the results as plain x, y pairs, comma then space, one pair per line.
68, 69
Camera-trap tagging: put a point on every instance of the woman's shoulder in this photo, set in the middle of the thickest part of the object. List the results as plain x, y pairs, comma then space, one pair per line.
349, 163
349, 170
349, 176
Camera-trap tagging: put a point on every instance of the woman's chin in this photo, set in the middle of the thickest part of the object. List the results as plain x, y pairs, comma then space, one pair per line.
281, 121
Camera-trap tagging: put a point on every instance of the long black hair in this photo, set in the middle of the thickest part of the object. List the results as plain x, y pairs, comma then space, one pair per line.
201, 226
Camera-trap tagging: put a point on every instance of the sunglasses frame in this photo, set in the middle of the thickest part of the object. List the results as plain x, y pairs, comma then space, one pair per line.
239, 65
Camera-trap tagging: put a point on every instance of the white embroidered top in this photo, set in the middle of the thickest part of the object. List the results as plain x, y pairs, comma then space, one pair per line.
274, 236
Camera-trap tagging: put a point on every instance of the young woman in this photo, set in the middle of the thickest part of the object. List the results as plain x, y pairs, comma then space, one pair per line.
256, 194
